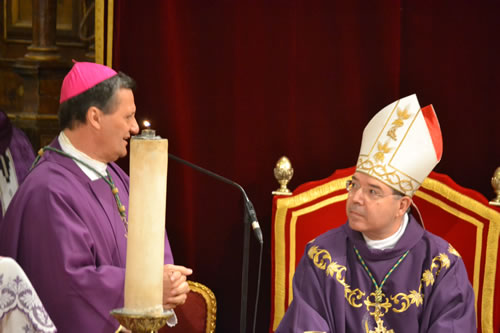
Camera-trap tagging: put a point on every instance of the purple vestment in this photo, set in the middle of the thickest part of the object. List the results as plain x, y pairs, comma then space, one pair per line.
22, 153
428, 291
20, 149
66, 233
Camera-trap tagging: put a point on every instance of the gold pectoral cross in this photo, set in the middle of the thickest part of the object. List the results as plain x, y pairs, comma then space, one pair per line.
377, 314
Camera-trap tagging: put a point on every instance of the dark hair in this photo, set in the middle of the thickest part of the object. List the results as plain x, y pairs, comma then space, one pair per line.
396, 192
400, 195
74, 110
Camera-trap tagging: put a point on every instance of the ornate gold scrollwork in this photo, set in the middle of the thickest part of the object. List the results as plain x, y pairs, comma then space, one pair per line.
439, 262
383, 149
453, 251
336, 271
352, 295
391, 177
377, 306
380, 303
399, 122
320, 258
414, 297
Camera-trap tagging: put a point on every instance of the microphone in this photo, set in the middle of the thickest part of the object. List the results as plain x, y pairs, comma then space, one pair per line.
253, 217
248, 204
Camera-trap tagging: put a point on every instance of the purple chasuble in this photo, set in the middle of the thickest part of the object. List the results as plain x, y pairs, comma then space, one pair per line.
67, 234
20, 149
429, 290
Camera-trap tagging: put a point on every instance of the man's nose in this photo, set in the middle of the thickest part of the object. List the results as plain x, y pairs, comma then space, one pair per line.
357, 196
135, 127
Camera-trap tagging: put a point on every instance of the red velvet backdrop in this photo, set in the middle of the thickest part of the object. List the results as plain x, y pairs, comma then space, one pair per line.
234, 85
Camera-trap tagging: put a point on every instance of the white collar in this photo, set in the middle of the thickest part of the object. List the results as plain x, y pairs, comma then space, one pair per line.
389, 242
68, 148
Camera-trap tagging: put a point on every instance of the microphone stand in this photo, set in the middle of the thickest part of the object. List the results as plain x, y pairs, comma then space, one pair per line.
244, 274
249, 215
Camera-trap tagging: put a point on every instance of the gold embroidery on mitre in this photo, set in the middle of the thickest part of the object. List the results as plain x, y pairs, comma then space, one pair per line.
383, 148
399, 122
392, 178
398, 303
375, 162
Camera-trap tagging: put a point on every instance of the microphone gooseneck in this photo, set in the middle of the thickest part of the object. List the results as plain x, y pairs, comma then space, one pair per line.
251, 216
248, 204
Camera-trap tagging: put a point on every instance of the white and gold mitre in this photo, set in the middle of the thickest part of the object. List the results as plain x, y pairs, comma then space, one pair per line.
401, 145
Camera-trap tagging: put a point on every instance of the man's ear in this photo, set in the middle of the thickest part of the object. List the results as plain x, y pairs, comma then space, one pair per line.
94, 117
404, 204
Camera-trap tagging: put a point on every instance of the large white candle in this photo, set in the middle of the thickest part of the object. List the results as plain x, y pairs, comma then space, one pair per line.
146, 225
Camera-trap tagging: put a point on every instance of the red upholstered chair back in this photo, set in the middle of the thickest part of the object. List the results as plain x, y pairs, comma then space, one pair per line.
198, 314
459, 215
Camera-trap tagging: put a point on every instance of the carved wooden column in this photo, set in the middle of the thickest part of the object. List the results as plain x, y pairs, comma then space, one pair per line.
32, 77
44, 46
42, 72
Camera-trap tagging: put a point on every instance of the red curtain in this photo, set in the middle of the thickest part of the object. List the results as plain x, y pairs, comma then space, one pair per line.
234, 85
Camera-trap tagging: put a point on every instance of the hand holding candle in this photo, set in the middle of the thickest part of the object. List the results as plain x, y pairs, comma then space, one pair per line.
175, 286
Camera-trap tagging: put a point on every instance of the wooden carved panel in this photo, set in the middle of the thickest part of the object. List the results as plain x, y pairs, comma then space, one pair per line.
71, 14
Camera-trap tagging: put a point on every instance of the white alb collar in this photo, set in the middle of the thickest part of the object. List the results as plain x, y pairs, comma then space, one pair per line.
68, 148
389, 242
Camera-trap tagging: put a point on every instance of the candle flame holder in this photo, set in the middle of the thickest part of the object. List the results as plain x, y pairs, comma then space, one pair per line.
141, 323
147, 134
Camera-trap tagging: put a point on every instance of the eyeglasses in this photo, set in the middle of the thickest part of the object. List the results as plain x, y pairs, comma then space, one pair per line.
371, 194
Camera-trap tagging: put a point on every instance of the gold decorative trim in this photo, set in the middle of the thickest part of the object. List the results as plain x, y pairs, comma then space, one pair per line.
461, 199
489, 277
109, 40
453, 251
490, 268
402, 116
144, 322
394, 178
323, 260
380, 303
293, 228
104, 43
31, 116
5, 20
99, 31
282, 206
211, 302
479, 235
385, 126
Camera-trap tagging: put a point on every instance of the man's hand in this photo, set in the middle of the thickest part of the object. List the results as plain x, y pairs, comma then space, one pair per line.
175, 286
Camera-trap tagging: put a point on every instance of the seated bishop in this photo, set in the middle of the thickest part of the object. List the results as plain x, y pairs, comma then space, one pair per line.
381, 271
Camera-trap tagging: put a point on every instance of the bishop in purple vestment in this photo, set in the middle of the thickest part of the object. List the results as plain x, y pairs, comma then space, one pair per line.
381, 272
428, 291
65, 226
